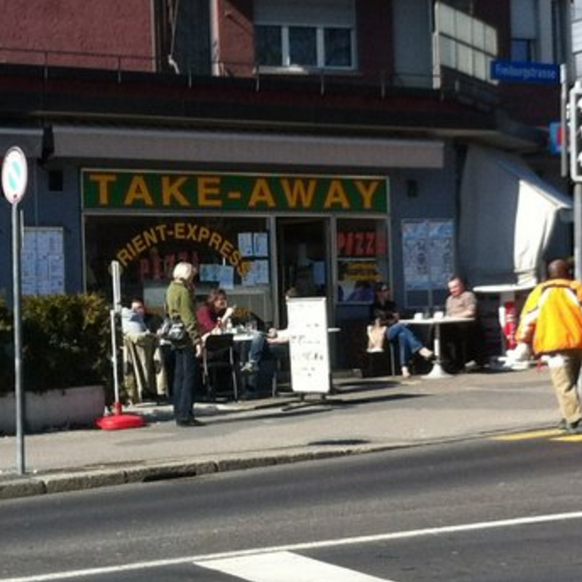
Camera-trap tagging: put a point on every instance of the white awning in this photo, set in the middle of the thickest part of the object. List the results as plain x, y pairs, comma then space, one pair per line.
244, 148
507, 218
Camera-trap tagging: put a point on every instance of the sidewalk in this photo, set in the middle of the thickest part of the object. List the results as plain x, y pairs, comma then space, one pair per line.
362, 415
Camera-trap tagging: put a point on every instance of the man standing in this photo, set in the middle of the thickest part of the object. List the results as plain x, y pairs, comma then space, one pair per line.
551, 322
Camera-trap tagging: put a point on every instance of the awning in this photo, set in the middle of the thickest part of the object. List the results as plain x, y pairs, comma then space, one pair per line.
506, 220
120, 143
28, 140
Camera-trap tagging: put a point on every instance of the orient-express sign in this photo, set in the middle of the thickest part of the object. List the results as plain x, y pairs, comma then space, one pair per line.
130, 190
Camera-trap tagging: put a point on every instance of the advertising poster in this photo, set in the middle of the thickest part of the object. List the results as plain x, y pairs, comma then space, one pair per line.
428, 253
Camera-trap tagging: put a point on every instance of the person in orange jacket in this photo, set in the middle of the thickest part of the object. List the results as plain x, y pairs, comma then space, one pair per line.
551, 323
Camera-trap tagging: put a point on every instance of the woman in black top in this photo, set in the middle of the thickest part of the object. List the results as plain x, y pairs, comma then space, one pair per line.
383, 313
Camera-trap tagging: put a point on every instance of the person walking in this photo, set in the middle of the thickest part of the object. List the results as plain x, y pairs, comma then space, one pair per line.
551, 323
180, 303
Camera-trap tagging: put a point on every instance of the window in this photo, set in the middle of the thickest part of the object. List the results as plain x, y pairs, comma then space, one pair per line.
362, 258
522, 50
304, 46
319, 34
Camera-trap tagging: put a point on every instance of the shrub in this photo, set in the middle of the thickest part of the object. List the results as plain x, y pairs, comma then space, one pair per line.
65, 342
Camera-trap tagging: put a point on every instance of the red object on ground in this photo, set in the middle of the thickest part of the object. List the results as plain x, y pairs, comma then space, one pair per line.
510, 325
119, 420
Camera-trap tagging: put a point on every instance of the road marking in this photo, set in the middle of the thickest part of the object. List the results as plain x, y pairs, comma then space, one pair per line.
410, 534
569, 438
284, 567
532, 434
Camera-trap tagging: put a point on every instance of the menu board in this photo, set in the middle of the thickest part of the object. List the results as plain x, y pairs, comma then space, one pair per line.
43, 261
309, 344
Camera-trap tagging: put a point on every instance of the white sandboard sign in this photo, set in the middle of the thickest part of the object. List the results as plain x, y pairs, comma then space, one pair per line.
308, 345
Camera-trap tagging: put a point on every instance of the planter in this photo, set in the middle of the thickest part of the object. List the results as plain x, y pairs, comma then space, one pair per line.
55, 409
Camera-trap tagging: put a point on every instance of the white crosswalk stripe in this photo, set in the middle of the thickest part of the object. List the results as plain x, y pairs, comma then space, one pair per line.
284, 567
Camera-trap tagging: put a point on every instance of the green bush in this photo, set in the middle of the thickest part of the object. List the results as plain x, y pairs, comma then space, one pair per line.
65, 342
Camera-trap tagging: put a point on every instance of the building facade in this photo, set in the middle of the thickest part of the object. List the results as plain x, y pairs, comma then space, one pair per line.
319, 145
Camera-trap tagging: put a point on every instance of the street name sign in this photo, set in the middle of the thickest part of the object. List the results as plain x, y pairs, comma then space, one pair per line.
525, 72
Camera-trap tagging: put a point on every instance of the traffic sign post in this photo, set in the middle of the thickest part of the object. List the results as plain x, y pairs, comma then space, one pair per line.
14, 182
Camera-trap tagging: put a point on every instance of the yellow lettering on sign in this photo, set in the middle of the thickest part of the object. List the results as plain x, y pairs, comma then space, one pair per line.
336, 196
204, 233
124, 257
171, 191
215, 241
138, 191
367, 193
138, 244
209, 191
179, 230
103, 182
226, 248
298, 193
261, 194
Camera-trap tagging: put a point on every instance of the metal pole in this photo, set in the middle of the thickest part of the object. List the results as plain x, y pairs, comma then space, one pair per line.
578, 230
18, 393
563, 121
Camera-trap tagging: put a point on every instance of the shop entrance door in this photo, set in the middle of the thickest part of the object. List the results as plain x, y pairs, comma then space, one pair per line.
303, 259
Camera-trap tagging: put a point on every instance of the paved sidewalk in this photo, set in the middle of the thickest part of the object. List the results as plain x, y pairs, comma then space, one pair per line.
363, 415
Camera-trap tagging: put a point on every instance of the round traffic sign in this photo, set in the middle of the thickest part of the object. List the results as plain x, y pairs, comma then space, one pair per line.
14, 175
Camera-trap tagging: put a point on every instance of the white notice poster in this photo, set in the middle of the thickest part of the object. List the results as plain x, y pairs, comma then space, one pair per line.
309, 344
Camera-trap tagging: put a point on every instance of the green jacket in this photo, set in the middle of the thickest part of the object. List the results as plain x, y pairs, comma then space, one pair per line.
180, 301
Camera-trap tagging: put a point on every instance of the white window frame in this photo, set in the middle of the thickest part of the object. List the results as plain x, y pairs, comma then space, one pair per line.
287, 66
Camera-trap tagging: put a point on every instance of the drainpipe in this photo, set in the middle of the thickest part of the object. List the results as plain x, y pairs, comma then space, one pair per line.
215, 38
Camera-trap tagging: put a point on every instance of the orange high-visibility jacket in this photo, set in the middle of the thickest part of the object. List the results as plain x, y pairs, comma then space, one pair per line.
551, 319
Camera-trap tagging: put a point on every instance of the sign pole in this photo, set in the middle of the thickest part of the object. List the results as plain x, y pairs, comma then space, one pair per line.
14, 182
18, 391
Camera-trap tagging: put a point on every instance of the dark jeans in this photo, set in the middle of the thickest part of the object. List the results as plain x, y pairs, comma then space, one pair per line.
462, 343
186, 374
265, 356
409, 344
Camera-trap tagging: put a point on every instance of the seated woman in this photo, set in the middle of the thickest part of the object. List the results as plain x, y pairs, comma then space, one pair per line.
214, 313
385, 317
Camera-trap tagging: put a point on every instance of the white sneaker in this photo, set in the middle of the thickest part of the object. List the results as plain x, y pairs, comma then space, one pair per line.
405, 372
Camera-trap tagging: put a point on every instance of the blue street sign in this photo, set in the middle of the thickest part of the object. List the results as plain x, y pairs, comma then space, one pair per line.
525, 72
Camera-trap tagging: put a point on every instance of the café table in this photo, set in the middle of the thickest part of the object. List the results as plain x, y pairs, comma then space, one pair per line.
437, 370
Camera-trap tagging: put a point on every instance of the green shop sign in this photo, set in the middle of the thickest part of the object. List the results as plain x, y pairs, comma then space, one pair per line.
131, 190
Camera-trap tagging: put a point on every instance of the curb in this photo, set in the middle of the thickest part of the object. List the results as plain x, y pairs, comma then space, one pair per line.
22, 486
17, 486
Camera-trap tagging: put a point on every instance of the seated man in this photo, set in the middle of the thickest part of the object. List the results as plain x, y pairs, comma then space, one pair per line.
462, 343
144, 372
264, 351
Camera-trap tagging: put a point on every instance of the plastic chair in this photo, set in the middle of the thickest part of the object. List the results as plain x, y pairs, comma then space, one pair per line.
218, 363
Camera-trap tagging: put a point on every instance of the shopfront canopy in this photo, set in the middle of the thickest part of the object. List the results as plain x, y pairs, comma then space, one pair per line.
507, 217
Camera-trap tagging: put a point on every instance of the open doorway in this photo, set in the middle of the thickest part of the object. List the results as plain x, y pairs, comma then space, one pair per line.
303, 258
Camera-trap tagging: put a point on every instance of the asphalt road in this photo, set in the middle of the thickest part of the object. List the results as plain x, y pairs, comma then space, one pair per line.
481, 512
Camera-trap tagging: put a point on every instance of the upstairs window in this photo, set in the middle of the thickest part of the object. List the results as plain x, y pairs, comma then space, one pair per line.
292, 35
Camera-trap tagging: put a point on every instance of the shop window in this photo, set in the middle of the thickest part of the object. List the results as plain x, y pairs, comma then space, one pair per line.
362, 252
228, 253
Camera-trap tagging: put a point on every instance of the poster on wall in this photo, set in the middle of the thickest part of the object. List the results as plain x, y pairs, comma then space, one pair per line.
43, 261
428, 253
